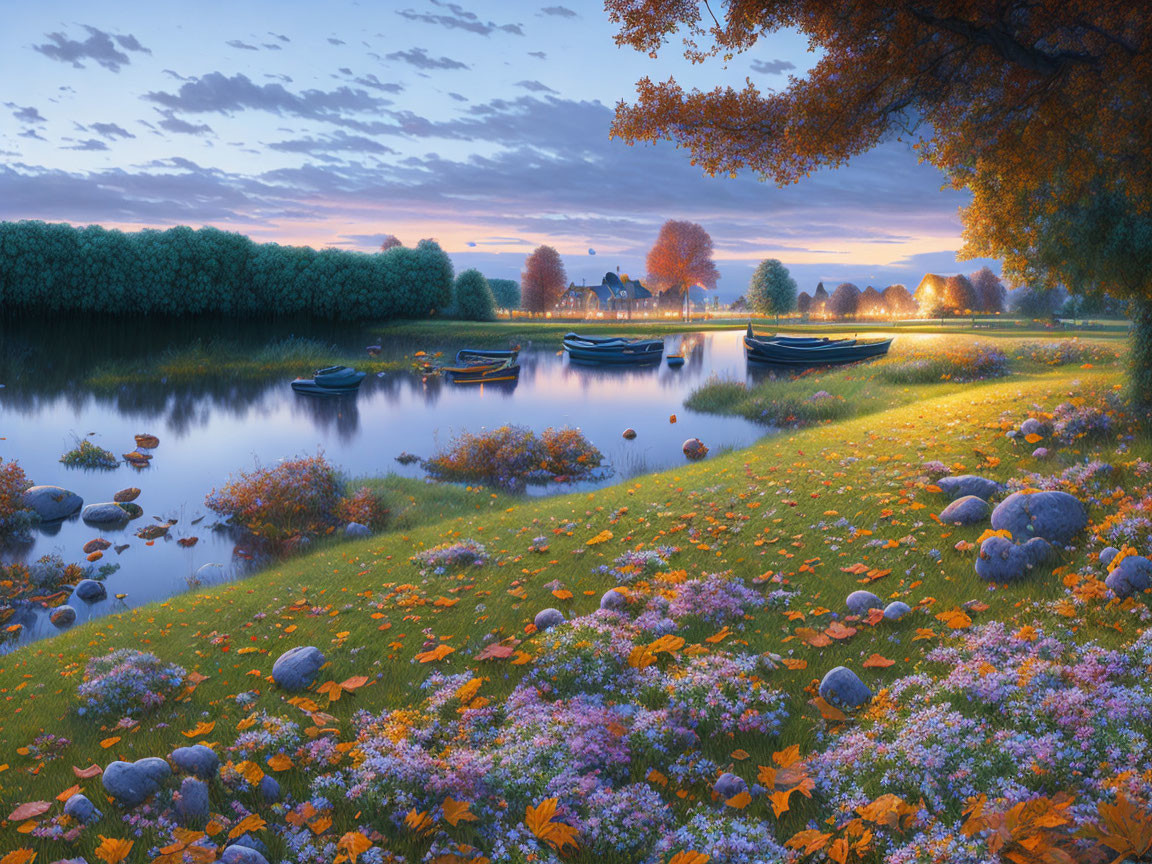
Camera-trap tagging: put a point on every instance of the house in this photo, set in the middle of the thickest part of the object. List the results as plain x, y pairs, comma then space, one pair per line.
613, 294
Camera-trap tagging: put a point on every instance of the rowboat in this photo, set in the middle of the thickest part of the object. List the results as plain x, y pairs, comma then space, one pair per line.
492, 372
612, 350
820, 353
330, 381
466, 356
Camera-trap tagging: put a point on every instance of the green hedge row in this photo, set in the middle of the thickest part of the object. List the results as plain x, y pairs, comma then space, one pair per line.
57, 268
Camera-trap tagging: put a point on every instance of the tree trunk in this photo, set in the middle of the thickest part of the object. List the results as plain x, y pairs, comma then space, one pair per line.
1140, 356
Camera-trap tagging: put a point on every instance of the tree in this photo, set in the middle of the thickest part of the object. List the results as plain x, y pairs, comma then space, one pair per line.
871, 303
959, 295
989, 290
845, 300
898, 301
506, 292
1037, 301
1039, 110
803, 303
772, 290
473, 295
681, 258
740, 304
819, 300
390, 242
543, 280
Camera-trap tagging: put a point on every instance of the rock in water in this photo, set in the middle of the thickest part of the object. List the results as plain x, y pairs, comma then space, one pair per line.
90, 591
613, 600
968, 484
81, 809
355, 529
295, 669
193, 806
133, 783
126, 495
859, 602
148, 442
968, 510
896, 610
729, 785
197, 760
629, 434
62, 616
97, 545
1131, 576
695, 449
108, 513
51, 503
843, 688
1055, 516
547, 618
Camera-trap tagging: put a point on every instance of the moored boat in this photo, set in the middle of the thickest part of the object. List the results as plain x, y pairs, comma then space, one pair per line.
613, 350
675, 360
330, 381
828, 353
495, 371
466, 356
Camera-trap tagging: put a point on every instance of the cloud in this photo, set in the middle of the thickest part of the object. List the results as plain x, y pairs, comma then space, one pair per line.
419, 58
279, 36
25, 113
370, 81
559, 12
772, 67
539, 55
99, 46
110, 130
535, 87
332, 40
87, 144
243, 46
271, 46
32, 133
325, 145
456, 17
175, 124
458, 97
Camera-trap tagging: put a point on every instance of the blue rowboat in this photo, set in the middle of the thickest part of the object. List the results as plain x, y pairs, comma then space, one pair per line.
466, 356
330, 381
826, 354
493, 372
613, 350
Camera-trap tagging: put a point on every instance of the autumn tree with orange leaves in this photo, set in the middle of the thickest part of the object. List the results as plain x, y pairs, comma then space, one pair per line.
543, 280
681, 258
1039, 109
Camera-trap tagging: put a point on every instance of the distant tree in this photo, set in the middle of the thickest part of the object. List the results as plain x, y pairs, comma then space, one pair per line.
772, 290
845, 300
819, 301
803, 303
871, 302
898, 301
989, 291
473, 295
506, 292
1036, 301
543, 280
930, 295
390, 242
740, 304
681, 258
959, 295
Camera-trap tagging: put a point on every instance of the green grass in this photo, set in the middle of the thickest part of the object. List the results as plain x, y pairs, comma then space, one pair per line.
771, 508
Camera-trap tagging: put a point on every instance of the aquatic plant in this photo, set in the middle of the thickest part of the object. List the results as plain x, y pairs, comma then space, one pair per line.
127, 682
88, 455
15, 519
513, 456
363, 506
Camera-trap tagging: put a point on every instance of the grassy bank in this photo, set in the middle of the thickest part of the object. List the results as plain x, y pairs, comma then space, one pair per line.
816, 513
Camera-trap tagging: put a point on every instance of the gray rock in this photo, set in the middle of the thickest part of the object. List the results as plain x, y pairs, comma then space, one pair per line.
248, 841
90, 591
355, 529
968, 510
859, 602
1107, 554
107, 513
729, 785
613, 600
1131, 576
197, 760
1055, 516
843, 688
1037, 551
194, 805
295, 669
1031, 426
81, 809
126, 495
269, 789
211, 572
547, 618
968, 484
62, 616
896, 610
133, 783
239, 854
1002, 561
51, 503
1040, 453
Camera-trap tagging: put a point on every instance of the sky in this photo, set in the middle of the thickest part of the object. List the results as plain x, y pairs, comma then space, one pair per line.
484, 125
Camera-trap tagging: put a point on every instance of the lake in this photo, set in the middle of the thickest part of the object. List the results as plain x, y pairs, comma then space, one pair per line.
212, 427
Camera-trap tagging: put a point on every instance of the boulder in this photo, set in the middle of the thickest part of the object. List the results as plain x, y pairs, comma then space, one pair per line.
90, 591
62, 616
548, 618
729, 785
613, 600
1132, 575
1055, 516
859, 602
629, 434
1037, 551
1040, 453
133, 783
295, 669
1031, 426
81, 809
97, 545
269, 789
198, 760
695, 449
126, 495
969, 510
249, 841
51, 503
964, 485
1002, 561
194, 805
843, 688
1107, 554
896, 610
355, 529
238, 854
107, 513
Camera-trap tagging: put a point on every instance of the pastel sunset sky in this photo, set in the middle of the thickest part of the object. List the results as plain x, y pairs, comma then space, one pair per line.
484, 125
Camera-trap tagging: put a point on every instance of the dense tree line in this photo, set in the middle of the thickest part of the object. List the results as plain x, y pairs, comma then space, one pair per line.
57, 268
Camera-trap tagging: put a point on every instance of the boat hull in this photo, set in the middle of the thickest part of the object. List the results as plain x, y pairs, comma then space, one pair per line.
310, 385
827, 355
613, 351
484, 355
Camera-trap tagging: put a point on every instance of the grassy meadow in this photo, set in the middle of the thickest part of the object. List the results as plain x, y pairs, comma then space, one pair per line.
431, 732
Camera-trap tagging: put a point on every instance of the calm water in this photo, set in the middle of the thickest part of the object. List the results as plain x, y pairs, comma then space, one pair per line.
213, 427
